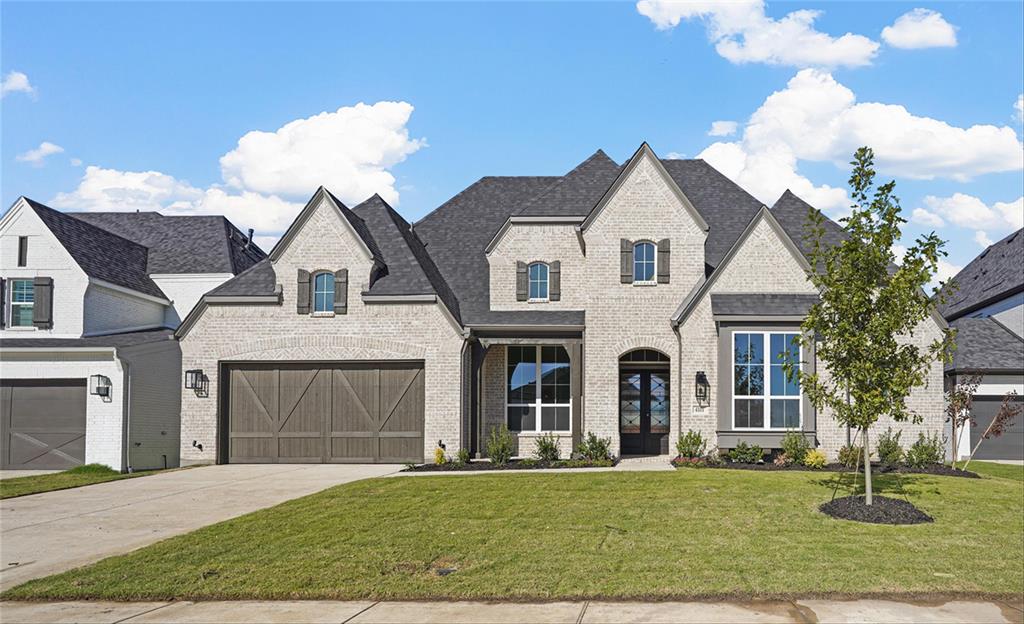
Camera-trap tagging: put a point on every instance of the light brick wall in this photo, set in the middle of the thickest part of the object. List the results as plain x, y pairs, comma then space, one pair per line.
367, 332
184, 291
108, 310
524, 242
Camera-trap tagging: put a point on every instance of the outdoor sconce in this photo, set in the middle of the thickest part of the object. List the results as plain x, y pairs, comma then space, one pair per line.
100, 386
196, 381
703, 389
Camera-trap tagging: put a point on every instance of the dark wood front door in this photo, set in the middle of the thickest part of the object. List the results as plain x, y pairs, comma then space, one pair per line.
643, 412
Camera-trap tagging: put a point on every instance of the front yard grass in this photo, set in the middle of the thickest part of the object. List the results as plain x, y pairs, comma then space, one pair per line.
75, 477
617, 535
993, 469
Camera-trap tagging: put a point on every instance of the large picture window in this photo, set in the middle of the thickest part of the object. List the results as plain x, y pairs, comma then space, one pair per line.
763, 396
22, 302
538, 389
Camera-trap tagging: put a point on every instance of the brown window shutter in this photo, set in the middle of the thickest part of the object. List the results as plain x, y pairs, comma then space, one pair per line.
522, 282
664, 262
303, 292
341, 291
626, 261
555, 281
3, 303
42, 306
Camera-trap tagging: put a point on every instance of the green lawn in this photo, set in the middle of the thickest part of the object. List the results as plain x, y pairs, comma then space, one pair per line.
686, 533
75, 477
992, 469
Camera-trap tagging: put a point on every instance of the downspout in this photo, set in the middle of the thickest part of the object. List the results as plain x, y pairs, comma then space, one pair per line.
127, 411
679, 384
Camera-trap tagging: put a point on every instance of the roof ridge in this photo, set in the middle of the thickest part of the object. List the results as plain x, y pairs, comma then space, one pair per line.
70, 215
563, 178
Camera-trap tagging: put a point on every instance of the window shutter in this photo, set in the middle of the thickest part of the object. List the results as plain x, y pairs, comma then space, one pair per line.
555, 281
341, 291
42, 306
3, 303
664, 263
522, 282
303, 292
626, 270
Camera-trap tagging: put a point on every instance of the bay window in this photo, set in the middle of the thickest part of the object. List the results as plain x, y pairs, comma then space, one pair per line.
538, 398
763, 396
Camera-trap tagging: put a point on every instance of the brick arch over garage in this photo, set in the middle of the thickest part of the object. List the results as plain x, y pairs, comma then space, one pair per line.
306, 347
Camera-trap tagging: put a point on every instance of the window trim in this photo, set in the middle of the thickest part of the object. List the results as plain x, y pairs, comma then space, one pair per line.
537, 404
329, 311
767, 397
654, 263
530, 282
11, 304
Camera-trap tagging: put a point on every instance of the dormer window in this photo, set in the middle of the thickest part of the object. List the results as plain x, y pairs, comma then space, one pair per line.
644, 262
323, 293
538, 281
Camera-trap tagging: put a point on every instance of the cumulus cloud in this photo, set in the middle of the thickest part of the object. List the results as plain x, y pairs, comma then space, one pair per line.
742, 33
722, 128
16, 82
969, 211
982, 239
814, 118
920, 28
37, 157
922, 216
1018, 107
269, 175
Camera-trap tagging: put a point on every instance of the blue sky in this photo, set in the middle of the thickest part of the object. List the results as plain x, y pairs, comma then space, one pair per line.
145, 105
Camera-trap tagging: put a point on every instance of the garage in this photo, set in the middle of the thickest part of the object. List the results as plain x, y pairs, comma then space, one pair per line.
42, 424
1010, 445
323, 413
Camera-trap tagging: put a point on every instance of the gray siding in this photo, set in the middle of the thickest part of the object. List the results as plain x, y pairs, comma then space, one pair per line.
155, 404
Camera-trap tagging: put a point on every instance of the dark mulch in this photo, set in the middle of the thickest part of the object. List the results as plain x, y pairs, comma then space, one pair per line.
935, 469
515, 464
883, 510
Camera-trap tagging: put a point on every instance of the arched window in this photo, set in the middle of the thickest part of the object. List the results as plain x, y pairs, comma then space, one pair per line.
643, 262
538, 281
323, 292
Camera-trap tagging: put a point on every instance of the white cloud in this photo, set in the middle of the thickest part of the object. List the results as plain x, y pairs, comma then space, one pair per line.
742, 33
266, 243
76, 162
982, 239
15, 82
944, 271
970, 212
920, 28
922, 216
814, 118
1013, 212
1018, 107
37, 157
269, 175
675, 156
722, 128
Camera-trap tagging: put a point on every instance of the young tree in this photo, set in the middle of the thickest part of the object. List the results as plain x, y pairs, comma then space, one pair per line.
1003, 420
959, 399
867, 309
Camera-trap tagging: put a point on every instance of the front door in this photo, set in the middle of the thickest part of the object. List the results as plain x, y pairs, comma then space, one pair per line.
643, 412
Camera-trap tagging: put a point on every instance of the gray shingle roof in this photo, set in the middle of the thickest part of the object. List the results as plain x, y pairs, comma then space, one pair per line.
761, 304
984, 344
129, 339
259, 279
577, 192
791, 213
996, 273
101, 254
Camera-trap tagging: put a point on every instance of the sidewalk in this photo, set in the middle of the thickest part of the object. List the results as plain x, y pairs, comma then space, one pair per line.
547, 613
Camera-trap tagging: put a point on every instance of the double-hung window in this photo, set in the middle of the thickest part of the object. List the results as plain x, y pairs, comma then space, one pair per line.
538, 281
644, 262
763, 395
323, 292
538, 385
22, 302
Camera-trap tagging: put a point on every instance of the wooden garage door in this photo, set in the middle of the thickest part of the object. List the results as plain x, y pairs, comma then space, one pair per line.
334, 413
1010, 445
42, 423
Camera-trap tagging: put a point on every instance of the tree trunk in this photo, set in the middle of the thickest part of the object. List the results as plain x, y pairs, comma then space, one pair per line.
867, 469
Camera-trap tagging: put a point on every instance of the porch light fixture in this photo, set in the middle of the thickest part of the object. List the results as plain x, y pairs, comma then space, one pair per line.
703, 389
99, 385
196, 381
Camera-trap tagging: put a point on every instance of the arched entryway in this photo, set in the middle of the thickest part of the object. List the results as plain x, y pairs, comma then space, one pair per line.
644, 414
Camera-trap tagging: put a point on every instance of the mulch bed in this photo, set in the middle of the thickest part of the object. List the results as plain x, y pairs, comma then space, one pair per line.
515, 464
934, 469
883, 510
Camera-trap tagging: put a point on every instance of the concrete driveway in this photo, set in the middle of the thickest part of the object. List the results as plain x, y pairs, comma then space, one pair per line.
43, 534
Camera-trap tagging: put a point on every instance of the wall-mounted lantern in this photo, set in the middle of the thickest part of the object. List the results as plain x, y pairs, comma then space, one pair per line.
99, 385
196, 381
703, 389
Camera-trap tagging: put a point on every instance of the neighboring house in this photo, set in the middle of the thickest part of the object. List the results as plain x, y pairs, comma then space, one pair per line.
986, 307
90, 300
634, 301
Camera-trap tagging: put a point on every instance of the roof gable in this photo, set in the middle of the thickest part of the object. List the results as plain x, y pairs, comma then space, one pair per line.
996, 273
351, 221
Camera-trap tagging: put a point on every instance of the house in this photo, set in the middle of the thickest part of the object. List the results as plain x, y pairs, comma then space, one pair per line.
986, 307
634, 301
90, 370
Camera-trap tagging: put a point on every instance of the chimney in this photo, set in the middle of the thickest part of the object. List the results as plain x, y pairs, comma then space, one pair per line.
248, 240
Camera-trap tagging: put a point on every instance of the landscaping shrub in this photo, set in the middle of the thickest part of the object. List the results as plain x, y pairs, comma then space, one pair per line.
439, 457
746, 454
850, 456
890, 453
547, 448
814, 458
691, 444
927, 450
499, 445
594, 448
463, 456
795, 447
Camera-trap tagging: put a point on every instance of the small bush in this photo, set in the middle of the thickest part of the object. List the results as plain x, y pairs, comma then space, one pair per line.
927, 450
594, 448
814, 458
782, 460
746, 454
890, 453
794, 446
439, 457
691, 444
850, 456
547, 448
688, 462
462, 458
499, 446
